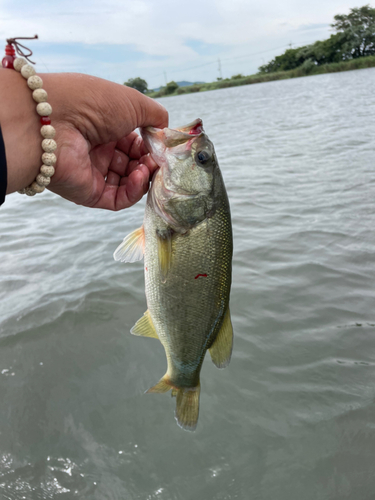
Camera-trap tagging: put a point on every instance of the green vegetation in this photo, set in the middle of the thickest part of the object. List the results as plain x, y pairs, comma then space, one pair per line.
355, 38
170, 88
351, 47
306, 69
138, 84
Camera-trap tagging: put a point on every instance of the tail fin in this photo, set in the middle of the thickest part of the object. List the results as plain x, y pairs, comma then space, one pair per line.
187, 402
187, 407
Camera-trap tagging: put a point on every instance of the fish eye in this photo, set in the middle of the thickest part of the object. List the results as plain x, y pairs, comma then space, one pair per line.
203, 157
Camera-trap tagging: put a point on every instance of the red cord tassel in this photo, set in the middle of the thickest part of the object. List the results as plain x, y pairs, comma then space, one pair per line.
10, 55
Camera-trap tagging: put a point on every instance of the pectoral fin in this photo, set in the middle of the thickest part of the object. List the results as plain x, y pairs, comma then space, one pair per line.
164, 239
144, 327
221, 349
132, 248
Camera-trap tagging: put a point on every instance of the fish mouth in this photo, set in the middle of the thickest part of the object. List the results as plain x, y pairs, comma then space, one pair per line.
194, 128
155, 138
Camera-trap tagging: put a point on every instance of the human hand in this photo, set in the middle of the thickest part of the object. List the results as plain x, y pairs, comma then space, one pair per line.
101, 161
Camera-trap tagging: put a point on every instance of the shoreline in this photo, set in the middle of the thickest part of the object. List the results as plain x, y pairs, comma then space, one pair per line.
353, 64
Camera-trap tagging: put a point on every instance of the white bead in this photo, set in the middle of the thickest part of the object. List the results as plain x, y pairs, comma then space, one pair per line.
47, 171
35, 82
49, 145
38, 189
48, 132
44, 109
42, 181
49, 159
27, 70
18, 63
29, 191
40, 95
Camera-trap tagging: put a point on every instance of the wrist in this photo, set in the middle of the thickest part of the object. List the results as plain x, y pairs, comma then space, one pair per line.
21, 130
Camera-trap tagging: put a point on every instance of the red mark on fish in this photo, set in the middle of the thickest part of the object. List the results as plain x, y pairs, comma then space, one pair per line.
203, 276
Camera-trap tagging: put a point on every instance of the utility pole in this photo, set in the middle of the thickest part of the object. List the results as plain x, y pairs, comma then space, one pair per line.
219, 69
165, 77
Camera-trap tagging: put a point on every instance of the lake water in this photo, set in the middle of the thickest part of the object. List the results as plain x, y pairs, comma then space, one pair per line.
293, 416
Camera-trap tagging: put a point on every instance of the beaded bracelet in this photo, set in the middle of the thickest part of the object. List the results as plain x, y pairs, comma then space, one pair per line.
44, 110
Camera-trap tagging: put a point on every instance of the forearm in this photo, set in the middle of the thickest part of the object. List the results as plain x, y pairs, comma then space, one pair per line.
20, 126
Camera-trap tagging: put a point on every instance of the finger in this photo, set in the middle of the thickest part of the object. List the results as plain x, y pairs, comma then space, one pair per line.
119, 163
148, 111
146, 160
101, 156
132, 145
126, 195
140, 167
113, 179
150, 163
132, 191
122, 166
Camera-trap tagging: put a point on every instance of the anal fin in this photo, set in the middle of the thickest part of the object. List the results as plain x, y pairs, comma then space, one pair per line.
221, 350
162, 386
144, 327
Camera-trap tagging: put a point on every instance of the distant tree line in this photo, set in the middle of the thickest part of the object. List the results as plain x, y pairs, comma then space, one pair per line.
354, 38
137, 84
141, 85
170, 88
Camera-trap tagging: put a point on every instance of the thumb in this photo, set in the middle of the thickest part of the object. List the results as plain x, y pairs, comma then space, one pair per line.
102, 111
148, 111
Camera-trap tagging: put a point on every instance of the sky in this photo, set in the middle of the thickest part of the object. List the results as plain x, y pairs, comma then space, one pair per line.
164, 40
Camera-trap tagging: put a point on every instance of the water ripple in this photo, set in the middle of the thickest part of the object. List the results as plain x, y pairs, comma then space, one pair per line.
292, 416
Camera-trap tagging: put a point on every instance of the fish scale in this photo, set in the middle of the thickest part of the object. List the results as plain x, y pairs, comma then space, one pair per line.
185, 308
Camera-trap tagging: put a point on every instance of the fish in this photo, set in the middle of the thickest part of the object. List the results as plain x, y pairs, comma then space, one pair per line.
187, 245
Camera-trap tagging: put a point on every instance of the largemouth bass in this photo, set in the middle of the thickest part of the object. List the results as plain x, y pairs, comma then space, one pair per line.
186, 241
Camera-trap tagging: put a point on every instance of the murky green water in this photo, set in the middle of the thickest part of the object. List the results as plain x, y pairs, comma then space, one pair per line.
293, 416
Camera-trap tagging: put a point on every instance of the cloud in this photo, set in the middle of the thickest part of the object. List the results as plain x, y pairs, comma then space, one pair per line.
153, 36
155, 27
314, 27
